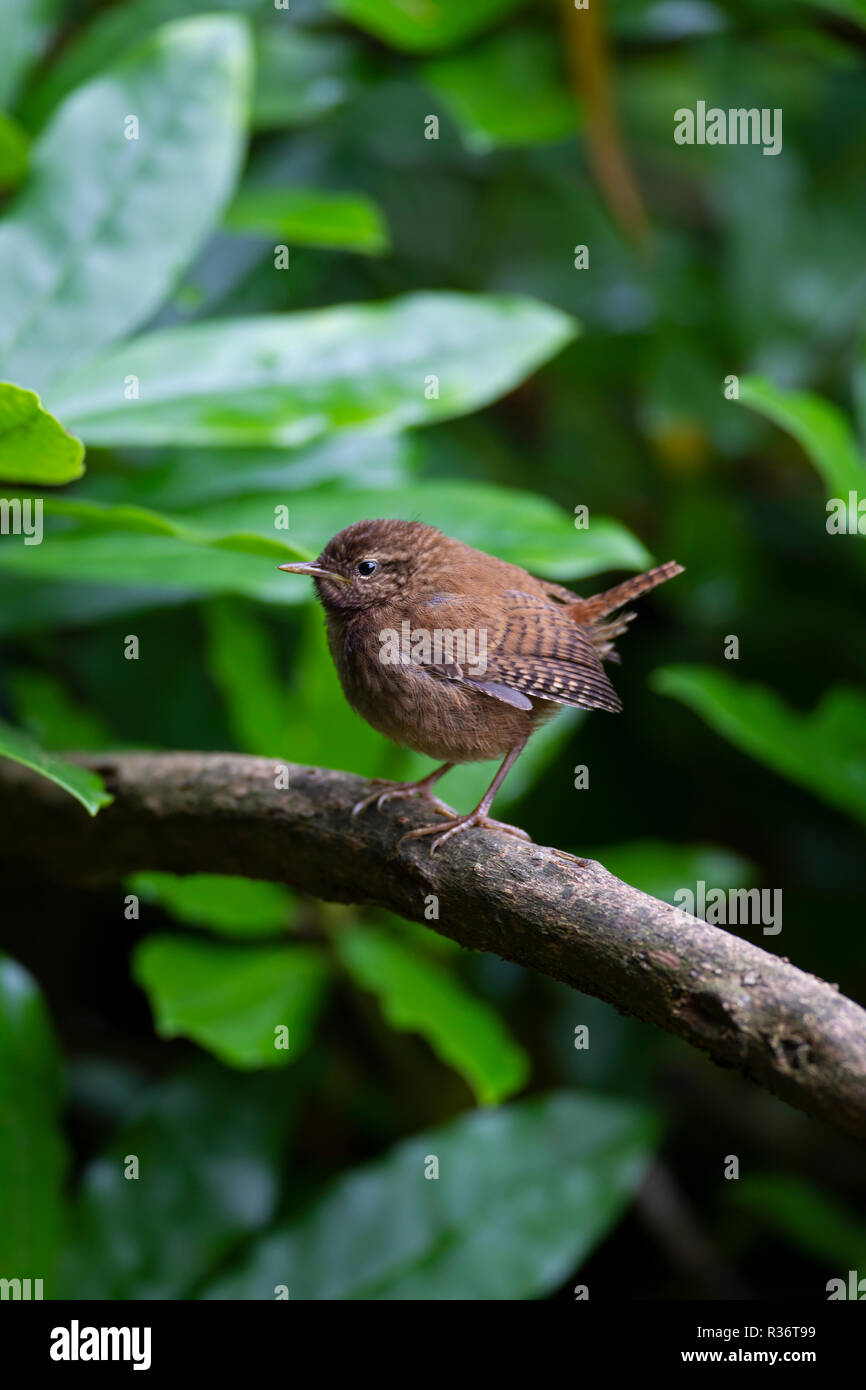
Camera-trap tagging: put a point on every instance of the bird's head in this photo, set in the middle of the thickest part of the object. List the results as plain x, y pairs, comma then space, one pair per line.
368, 564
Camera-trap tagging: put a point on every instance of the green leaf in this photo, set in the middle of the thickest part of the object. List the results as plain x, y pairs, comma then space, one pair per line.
310, 217
232, 999
301, 77
664, 869
34, 447
99, 516
854, 10
14, 152
284, 380
417, 997
105, 224
84, 785
188, 478
163, 564
210, 1148
223, 903
424, 25
824, 751
523, 1194
31, 1149
519, 526
242, 662
821, 428
509, 90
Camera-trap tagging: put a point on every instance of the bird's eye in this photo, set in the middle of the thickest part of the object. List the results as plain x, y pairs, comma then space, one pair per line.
366, 567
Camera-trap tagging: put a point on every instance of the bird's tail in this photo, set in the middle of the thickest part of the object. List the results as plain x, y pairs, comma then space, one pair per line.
589, 612
599, 605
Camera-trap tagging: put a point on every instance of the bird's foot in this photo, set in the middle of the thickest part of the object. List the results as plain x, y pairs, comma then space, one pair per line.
475, 820
402, 791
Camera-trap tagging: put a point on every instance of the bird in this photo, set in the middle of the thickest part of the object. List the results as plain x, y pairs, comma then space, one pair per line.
459, 655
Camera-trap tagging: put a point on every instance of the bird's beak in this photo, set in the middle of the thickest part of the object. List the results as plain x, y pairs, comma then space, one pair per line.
310, 567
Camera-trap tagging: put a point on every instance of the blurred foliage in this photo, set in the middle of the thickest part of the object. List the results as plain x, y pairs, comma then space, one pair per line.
807, 1217
14, 152
517, 1198
309, 218
32, 1156
826, 750
219, 903
278, 270
415, 995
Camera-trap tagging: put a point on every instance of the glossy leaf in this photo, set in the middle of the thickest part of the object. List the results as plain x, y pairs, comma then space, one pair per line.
817, 425
417, 997
31, 1148
310, 217
188, 478
509, 90
222, 903
424, 26
84, 785
98, 517
285, 380
824, 751
233, 999
523, 1195
106, 224
34, 447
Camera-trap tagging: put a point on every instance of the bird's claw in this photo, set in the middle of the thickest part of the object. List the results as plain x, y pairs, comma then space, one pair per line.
471, 822
402, 791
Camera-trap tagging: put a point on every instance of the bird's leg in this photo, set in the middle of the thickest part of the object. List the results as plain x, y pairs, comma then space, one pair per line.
479, 816
398, 790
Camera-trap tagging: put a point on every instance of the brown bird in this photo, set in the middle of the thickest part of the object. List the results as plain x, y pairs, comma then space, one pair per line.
458, 655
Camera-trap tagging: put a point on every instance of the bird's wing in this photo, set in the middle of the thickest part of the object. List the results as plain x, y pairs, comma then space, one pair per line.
535, 649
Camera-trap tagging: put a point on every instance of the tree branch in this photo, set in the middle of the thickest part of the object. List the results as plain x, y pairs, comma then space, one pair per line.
565, 917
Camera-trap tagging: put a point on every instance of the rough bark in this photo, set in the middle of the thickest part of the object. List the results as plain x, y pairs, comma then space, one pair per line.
565, 917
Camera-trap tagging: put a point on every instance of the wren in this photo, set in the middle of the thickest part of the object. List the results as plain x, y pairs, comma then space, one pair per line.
458, 655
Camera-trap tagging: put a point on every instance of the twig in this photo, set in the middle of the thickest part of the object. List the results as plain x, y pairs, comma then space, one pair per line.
592, 78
